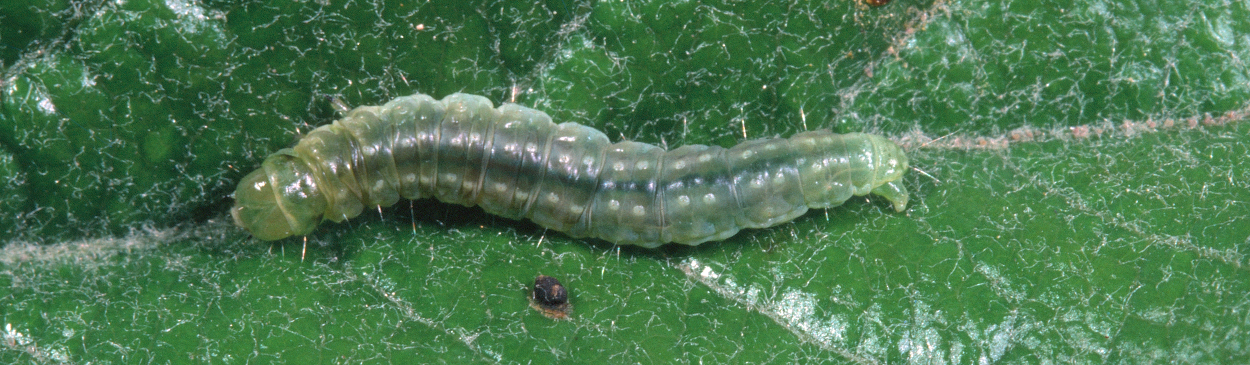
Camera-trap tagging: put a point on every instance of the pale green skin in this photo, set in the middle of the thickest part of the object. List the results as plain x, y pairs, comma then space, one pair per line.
514, 162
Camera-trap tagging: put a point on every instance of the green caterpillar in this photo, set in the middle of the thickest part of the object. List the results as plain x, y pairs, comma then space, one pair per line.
514, 162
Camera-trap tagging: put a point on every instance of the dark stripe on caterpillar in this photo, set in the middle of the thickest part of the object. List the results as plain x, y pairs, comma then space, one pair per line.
514, 162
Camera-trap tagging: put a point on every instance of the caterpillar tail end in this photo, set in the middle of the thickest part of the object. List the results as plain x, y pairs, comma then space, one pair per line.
895, 192
890, 168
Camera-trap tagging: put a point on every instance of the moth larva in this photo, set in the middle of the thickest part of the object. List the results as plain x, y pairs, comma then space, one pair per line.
514, 162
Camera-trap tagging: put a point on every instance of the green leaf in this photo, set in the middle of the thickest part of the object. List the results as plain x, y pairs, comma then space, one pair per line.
1083, 195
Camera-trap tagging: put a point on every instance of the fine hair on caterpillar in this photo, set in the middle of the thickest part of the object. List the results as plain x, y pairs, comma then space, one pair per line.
515, 162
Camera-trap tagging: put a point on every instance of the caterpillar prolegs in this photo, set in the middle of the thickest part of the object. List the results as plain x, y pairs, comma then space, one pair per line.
514, 162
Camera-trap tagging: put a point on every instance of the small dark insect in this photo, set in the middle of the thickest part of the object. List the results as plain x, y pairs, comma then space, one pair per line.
550, 297
876, 2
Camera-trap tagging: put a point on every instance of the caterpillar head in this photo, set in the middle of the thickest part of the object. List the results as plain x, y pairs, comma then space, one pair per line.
279, 200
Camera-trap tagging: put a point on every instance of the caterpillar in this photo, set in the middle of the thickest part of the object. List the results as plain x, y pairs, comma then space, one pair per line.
514, 162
